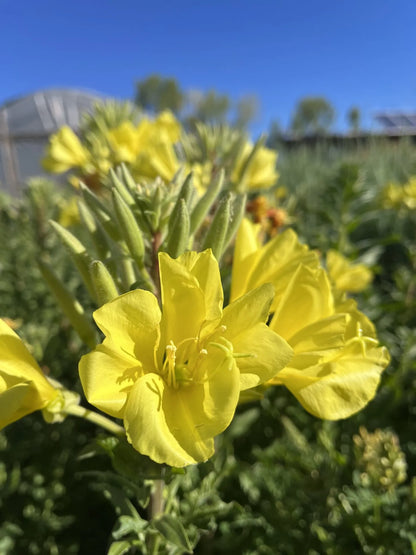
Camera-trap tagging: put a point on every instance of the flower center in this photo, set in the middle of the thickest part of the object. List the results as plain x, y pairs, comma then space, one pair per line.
181, 363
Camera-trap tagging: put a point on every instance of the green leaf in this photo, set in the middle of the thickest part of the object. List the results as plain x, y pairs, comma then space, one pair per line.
69, 306
172, 529
118, 548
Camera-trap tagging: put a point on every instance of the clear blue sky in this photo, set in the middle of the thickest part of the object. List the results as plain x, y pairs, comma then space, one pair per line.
357, 52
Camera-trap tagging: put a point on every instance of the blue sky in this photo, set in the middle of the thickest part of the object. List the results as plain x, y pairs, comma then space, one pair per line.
357, 52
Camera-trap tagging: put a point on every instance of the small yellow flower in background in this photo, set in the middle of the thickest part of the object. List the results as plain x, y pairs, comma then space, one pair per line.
259, 173
337, 360
125, 142
23, 386
64, 152
69, 214
168, 127
400, 196
174, 376
346, 276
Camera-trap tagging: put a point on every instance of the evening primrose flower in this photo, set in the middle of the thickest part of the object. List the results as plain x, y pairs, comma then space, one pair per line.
257, 172
23, 386
125, 142
175, 375
64, 152
345, 275
337, 359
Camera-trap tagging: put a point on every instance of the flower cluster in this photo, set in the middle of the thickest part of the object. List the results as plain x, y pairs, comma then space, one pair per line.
147, 147
400, 196
337, 360
157, 148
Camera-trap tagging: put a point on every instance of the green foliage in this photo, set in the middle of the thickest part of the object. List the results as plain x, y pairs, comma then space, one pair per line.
156, 93
313, 116
282, 481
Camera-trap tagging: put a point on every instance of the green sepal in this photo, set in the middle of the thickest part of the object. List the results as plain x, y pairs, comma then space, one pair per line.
178, 238
72, 309
237, 211
120, 188
205, 202
129, 228
100, 212
105, 288
78, 253
215, 237
126, 177
95, 230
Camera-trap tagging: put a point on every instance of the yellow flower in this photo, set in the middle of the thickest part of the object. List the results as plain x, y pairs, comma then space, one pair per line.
125, 142
257, 173
275, 262
69, 214
175, 376
23, 386
157, 160
336, 368
337, 360
64, 152
347, 276
167, 125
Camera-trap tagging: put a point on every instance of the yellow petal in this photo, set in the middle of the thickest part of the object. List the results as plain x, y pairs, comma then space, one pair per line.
155, 415
341, 385
204, 267
132, 323
267, 354
247, 311
307, 299
345, 275
107, 375
16, 402
183, 299
17, 364
245, 254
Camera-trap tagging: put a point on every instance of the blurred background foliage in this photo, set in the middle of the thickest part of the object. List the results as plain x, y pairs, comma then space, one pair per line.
282, 481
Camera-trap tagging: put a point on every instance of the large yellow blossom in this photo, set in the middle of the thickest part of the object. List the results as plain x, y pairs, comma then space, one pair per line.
337, 363
259, 172
346, 276
174, 376
337, 359
64, 152
23, 386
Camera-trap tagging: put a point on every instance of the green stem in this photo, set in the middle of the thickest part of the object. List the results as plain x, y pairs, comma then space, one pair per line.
98, 419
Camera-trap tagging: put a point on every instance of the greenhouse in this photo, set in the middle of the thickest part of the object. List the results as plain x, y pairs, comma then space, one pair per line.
27, 122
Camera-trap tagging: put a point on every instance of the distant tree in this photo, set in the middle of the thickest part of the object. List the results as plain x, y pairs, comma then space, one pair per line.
275, 134
156, 93
313, 116
209, 107
354, 119
247, 109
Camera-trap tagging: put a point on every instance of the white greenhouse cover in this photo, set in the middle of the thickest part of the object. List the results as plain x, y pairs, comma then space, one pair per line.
25, 125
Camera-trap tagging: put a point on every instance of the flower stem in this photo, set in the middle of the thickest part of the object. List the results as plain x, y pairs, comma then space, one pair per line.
104, 422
